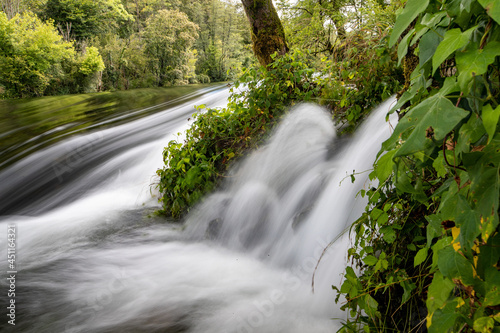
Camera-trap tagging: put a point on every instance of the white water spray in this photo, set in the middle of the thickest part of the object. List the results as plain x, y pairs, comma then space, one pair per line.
242, 262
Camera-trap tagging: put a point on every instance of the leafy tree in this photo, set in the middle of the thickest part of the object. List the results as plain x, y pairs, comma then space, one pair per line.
314, 24
168, 37
82, 19
224, 42
91, 61
125, 61
31, 53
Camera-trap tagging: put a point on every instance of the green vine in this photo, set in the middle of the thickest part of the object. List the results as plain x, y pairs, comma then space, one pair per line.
426, 251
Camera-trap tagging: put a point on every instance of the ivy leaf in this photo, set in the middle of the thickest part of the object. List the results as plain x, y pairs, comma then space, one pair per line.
433, 20
412, 9
492, 8
428, 45
439, 292
453, 40
437, 112
474, 61
490, 120
484, 325
467, 221
408, 288
483, 169
433, 228
370, 260
488, 257
403, 46
389, 234
420, 256
444, 319
492, 287
455, 266
384, 166
469, 133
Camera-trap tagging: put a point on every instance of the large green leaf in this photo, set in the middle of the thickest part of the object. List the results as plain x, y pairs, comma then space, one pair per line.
428, 44
432, 119
454, 39
468, 222
455, 266
434, 228
490, 120
403, 45
488, 256
444, 319
474, 61
492, 287
439, 292
384, 166
492, 8
483, 169
484, 325
412, 9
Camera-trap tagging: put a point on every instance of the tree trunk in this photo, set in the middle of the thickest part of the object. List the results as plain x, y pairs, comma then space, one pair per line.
268, 35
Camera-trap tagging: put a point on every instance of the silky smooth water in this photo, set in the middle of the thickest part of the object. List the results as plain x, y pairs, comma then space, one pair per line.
89, 260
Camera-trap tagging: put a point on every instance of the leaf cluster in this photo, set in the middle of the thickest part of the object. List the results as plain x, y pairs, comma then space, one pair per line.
427, 248
217, 136
366, 75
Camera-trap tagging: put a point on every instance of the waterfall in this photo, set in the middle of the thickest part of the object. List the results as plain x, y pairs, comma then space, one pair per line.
242, 261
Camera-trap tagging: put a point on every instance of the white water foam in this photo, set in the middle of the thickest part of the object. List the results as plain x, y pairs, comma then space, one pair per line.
242, 262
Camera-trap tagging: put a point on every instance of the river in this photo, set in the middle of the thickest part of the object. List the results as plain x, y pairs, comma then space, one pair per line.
91, 257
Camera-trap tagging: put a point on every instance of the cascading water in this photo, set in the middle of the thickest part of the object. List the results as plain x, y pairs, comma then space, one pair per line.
241, 262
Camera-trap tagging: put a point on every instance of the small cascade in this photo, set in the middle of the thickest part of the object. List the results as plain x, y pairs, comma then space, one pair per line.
241, 262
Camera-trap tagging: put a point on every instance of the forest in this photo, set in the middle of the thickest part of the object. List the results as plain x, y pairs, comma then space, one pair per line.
425, 253
66, 47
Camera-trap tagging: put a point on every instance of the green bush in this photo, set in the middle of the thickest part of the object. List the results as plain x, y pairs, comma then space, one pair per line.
219, 135
428, 246
202, 78
31, 54
364, 77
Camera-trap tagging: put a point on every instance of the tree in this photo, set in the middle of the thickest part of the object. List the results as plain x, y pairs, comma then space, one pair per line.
268, 35
83, 19
168, 36
31, 52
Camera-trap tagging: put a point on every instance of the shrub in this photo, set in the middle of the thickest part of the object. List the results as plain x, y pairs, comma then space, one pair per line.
429, 243
219, 135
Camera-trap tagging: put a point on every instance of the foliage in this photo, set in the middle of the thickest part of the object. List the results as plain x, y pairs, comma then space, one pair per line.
224, 44
168, 37
349, 44
91, 62
125, 62
31, 53
218, 135
427, 248
325, 26
81, 19
365, 76
128, 35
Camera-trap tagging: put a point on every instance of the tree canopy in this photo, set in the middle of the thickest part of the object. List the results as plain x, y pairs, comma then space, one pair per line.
168, 37
31, 54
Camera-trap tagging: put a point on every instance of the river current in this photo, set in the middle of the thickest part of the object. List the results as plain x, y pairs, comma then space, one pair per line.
91, 257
